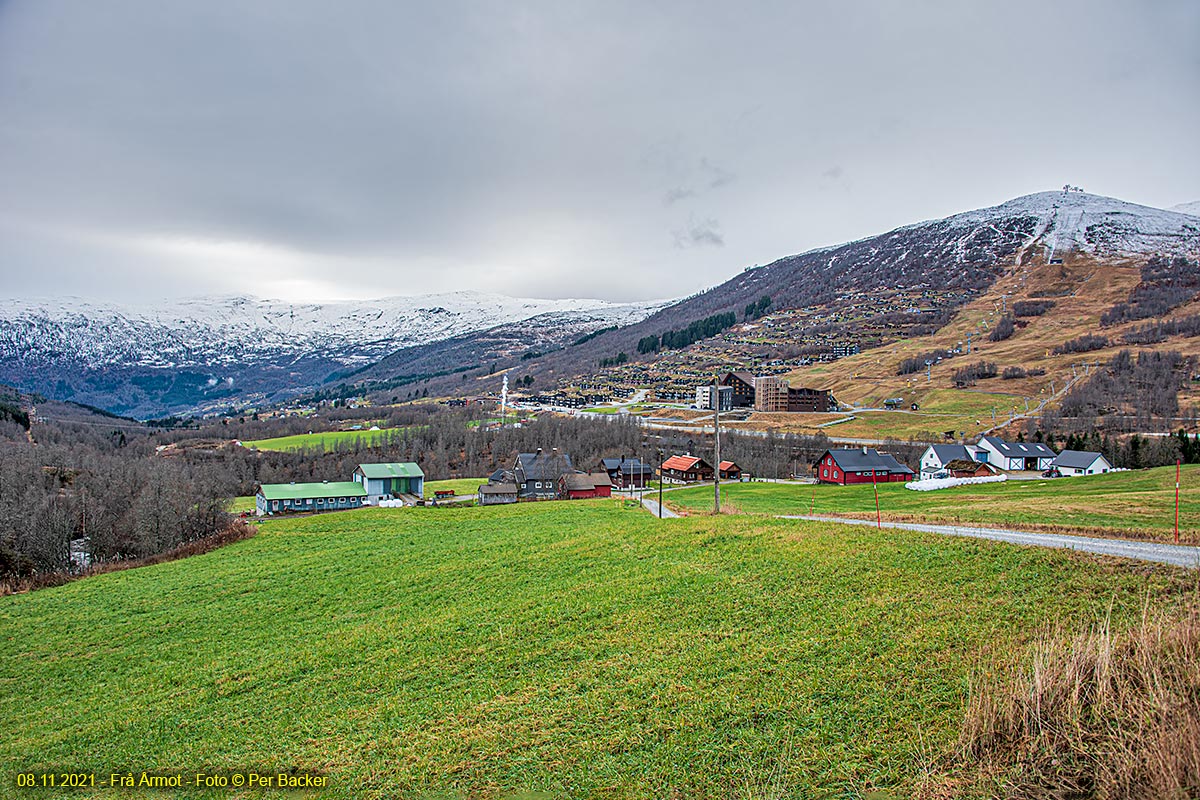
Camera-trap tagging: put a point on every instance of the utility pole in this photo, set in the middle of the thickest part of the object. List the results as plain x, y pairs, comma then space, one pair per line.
716, 396
660, 482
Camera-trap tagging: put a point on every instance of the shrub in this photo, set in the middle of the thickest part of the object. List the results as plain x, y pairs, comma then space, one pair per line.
966, 376
1011, 373
1004, 329
1082, 344
1031, 308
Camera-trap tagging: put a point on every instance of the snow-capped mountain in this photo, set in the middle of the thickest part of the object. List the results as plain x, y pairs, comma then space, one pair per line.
1192, 208
183, 353
215, 331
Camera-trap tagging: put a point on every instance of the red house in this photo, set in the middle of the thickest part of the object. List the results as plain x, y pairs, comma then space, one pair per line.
859, 465
687, 468
582, 486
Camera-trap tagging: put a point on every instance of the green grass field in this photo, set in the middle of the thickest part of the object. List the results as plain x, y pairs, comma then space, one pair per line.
240, 504
459, 485
327, 440
581, 649
1139, 503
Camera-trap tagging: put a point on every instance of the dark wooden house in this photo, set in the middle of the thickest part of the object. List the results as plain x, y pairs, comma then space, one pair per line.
743, 388
687, 468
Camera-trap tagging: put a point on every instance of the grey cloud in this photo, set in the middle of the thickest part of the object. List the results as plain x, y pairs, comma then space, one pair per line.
388, 147
698, 233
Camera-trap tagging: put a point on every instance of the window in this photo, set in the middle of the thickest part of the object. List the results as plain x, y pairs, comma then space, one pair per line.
275, 505
825, 473
320, 501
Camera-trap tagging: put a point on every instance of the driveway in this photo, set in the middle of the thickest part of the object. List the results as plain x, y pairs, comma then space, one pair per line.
1175, 554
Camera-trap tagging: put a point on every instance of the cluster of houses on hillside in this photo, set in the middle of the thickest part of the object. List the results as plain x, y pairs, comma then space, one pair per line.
767, 393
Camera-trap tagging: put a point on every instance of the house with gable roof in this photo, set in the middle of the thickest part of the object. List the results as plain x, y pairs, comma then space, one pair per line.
1014, 456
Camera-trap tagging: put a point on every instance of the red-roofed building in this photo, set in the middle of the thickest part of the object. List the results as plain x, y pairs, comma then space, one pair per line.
730, 471
687, 469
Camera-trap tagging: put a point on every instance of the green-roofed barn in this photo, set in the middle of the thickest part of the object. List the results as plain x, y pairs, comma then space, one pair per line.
277, 498
385, 481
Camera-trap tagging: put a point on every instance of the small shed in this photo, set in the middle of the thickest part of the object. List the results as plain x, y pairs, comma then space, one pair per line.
730, 471
494, 494
967, 468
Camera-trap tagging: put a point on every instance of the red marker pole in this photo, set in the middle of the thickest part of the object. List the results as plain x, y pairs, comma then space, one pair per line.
875, 486
1177, 501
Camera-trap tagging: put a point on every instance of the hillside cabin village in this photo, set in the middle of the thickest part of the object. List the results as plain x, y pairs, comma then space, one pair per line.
371, 484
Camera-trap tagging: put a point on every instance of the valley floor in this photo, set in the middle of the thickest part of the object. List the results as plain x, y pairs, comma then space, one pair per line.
583, 649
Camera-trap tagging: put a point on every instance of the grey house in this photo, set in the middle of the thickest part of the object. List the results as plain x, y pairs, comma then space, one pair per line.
384, 481
1081, 462
537, 474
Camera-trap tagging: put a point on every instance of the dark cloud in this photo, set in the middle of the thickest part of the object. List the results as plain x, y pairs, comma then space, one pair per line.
698, 233
383, 147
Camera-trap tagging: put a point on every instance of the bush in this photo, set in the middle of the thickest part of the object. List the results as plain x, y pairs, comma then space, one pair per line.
1083, 344
1031, 308
1011, 373
917, 363
966, 376
1004, 329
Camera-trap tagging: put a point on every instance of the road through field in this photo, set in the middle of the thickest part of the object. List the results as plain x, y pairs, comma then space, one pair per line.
1175, 554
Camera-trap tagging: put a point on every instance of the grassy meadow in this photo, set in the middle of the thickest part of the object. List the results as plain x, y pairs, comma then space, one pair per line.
1139, 503
582, 649
460, 486
327, 440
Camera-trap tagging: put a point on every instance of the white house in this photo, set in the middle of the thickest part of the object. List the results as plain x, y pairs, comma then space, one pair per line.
1081, 462
1014, 456
937, 456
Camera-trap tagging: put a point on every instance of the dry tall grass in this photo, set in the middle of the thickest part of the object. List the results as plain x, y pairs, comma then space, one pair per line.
1104, 714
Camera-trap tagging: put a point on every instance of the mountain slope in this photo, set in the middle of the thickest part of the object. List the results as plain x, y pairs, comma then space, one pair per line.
183, 355
938, 265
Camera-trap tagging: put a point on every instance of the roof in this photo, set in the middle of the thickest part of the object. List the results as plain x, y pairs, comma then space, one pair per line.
1076, 459
404, 469
728, 465
600, 479
965, 464
685, 463
304, 491
856, 459
1018, 449
951, 452
543, 466
626, 465
498, 488
501, 475
744, 377
578, 482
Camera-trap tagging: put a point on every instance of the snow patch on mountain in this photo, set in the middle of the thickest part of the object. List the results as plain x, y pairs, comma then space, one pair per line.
216, 331
1192, 208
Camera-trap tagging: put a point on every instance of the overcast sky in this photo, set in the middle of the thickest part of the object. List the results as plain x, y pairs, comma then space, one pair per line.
622, 150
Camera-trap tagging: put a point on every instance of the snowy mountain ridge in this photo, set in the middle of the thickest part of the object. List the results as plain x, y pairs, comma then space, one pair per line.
215, 331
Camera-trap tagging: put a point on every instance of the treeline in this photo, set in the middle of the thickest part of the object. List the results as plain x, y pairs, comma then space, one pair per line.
87, 497
1031, 308
757, 308
1012, 373
1081, 344
1130, 393
587, 337
1166, 283
968, 375
1155, 332
678, 339
1004, 329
